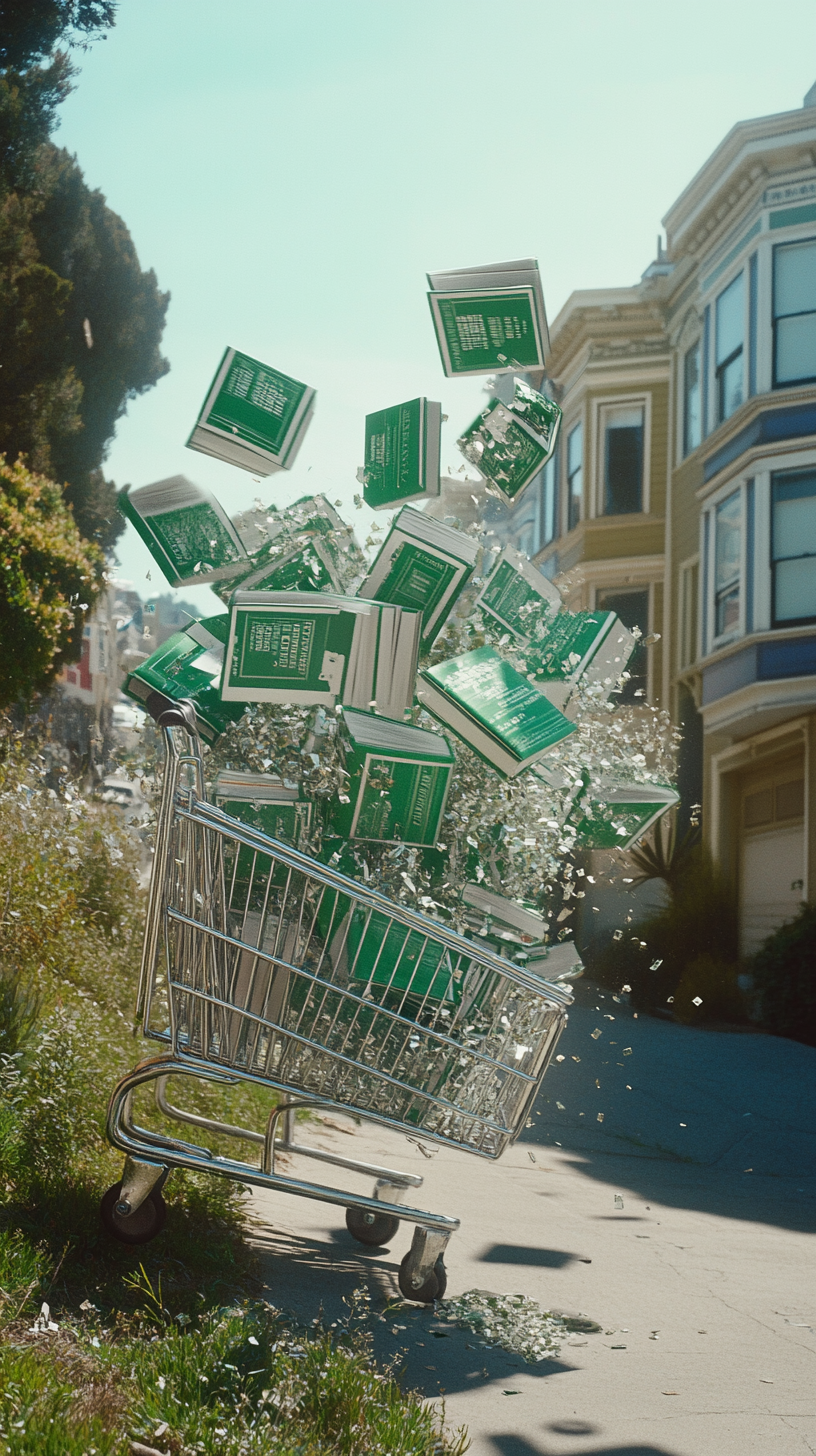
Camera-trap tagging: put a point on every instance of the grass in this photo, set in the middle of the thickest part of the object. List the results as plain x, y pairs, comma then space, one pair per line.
168, 1346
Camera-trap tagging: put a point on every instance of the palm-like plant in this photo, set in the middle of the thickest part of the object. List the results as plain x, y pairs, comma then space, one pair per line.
669, 860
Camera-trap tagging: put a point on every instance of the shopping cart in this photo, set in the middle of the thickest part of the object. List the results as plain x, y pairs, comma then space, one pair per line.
262, 964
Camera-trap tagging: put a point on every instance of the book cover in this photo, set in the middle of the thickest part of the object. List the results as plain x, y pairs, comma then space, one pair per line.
263, 802
422, 565
518, 595
185, 529
520, 273
306, 568
189, 665
402, 446
487, 331
510, 443
398, 781
381, 952
254, 416
616, 816
282, 648
592, 647
492, 707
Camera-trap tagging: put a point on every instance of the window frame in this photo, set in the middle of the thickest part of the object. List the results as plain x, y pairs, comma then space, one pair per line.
600, 589
802, 313
710, 640
570, 476
596, 496
777, 625
718, 372
688, 448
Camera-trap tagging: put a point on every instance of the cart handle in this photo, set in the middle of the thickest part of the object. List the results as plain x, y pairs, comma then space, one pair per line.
172, 712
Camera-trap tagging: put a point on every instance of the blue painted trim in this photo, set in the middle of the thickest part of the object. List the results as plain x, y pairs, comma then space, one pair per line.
795, 657
706, 348
749, 557
790, 216
770, 426
752, 323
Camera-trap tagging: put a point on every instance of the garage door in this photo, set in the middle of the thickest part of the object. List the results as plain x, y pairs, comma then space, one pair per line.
772, 878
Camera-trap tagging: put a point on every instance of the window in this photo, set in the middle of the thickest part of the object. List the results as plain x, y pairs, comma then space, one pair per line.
794, 313
692, 400
727, 561
575, 475
623, 460
687, 624
793, 547
548, 501
730, 330
633, 609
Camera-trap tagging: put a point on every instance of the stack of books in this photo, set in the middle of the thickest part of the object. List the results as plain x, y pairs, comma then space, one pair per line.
188, 665
423, 565
510, 443
585, 647
402, 446
490, 319
253, 416
322, 649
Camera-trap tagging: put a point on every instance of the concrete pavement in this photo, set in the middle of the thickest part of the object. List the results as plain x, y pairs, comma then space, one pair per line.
703, 1280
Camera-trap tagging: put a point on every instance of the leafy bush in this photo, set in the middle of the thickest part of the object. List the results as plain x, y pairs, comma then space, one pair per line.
784, 976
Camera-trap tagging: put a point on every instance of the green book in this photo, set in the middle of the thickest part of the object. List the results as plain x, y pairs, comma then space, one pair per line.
263, 802
616, 816
402, 447
267, 529
519, 921
422, 565
510, 443
305, 568
320, 648
492, 707
591, 647
188, 665
253, 416
186, 531
398, 781
518, 595
490, 319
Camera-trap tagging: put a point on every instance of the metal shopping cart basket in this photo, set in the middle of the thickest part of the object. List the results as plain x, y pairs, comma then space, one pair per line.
264, 965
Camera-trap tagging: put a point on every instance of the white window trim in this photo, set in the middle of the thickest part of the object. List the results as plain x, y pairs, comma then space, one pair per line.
715, 643
578, 419
633, 586
596, 493
713, 389
682, 350
683, 568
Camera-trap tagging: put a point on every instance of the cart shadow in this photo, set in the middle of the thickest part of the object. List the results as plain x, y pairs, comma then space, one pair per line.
317, 1280
511, 1445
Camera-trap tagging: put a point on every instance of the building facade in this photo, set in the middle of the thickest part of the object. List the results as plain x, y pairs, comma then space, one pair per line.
684, 495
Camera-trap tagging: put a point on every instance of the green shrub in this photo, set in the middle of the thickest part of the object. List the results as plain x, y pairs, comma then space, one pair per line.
784, 977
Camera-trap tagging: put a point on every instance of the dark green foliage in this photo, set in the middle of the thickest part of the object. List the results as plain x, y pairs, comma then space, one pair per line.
49, 577
784, 974
700, 920
83, 324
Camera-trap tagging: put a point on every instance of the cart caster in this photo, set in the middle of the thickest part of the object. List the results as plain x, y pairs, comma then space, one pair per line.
133, 1228
433, 1288
374, 1229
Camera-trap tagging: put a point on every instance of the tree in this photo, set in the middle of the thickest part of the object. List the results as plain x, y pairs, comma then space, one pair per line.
49, 579
83, 325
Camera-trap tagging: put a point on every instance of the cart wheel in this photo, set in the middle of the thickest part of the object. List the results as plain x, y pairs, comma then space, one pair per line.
433, 1288
374, 1229
139, 1227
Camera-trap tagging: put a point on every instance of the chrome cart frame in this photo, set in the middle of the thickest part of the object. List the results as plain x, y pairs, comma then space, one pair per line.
261, 964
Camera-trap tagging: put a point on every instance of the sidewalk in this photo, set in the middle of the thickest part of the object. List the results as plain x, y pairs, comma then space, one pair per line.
717, 1262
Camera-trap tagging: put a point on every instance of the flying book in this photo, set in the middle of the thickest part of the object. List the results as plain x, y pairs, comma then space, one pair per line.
493, 708
510, 443
402, 447
188, 665
398, 781
266, 529
616, 816
320, 648
528, 923
490, 319
298, 568
253, 416
590, 647
423, 565
185, 529
518, 595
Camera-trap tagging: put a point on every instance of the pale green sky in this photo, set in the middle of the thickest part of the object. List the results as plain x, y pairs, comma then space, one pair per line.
292, 171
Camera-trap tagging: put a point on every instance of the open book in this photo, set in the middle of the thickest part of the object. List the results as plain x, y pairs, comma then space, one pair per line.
492, 707
398, 781
320, 648
402, 453
422, 564
491, 318
510, 443
185, 529
188, 665
253, 416
518, 595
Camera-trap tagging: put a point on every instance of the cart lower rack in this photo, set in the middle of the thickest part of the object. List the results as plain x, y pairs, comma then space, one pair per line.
263, 965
